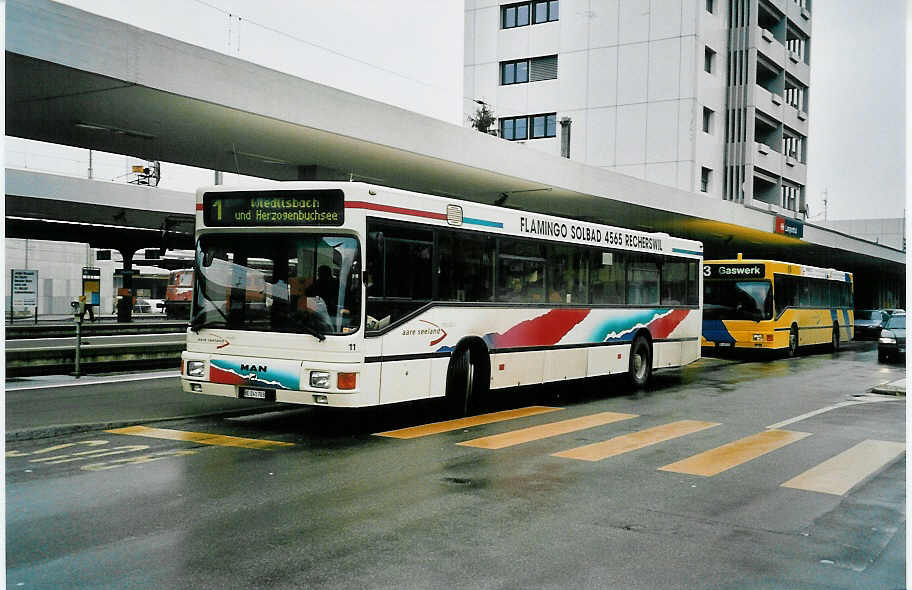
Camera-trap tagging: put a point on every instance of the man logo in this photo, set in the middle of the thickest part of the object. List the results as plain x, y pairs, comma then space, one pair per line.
254, 368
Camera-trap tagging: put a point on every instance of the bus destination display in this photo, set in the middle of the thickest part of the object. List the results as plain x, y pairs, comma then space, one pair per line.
276, 207
734, 271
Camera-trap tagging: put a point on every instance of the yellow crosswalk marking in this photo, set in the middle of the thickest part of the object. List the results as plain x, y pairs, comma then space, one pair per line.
635, 440
201, 438
841, 473
735, 453
524, 435
450, 425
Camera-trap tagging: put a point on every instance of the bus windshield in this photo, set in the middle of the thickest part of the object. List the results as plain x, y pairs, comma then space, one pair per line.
298, 283
737, 300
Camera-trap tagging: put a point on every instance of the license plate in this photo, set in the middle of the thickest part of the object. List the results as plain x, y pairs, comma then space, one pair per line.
255, 393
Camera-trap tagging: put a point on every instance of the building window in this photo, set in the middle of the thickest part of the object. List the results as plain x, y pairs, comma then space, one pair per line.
528, 70
705, 179
529, 127
709, 60
707, 120
514, 72
795, 93
543, 68
524, 13
790, 197
544, 126
709, 6
514, 128
515, 15
793, 147
545, 11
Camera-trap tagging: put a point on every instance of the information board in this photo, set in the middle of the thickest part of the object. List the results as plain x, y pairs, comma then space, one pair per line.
24, 287
274, 207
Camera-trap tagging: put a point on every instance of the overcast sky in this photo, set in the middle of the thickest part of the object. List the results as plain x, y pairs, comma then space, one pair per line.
856, 141
409, 53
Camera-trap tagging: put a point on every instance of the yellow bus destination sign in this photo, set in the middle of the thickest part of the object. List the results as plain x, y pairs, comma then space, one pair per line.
276, 207
734, 271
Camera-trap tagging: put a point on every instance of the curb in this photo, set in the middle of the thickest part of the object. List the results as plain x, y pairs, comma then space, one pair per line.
889, 389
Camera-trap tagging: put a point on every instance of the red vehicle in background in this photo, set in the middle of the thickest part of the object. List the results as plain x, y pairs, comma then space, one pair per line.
178, 294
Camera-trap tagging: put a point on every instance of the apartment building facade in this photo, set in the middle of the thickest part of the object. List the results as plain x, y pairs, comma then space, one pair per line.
709, 96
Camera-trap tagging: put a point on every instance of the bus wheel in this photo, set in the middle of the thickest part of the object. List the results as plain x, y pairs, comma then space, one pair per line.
460, 385
640, 368
793, 340
836, 338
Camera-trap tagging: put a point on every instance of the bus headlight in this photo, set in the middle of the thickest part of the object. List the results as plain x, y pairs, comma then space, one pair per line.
758, 337
196, 368
319, 379
887, 337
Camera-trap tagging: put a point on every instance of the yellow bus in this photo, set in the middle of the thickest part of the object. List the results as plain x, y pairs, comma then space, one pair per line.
772, 305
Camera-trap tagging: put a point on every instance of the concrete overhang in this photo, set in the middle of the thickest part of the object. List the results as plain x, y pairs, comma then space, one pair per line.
79, 79
103, 214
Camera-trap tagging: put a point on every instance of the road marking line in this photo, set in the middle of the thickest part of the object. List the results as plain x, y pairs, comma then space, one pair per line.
821, 411
524, 435
841, 473
201, 438
635, 440
735, 453
450, 425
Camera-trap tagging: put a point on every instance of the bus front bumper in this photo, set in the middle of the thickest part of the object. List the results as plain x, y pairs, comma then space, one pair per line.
345, 383
749, 339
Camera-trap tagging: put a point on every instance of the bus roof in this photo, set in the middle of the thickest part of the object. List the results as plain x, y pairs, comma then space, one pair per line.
794, 268
446, 211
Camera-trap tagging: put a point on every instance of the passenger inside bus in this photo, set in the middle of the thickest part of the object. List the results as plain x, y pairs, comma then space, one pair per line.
326, 287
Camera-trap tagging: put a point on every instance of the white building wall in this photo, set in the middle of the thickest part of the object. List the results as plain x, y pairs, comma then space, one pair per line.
630, 76
888, 231
59, 266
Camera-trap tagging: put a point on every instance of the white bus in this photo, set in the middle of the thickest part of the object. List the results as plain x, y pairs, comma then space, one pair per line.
354, 295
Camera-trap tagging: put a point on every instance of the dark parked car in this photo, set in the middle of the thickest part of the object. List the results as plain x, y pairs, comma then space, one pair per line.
892, 342
868, 323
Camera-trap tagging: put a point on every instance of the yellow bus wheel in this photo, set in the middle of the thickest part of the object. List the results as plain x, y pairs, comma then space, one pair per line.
793, 341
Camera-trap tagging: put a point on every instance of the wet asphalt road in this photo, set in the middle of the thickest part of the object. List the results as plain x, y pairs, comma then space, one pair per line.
336, 506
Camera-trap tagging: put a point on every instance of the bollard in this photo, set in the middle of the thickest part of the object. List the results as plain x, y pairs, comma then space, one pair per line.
78, 343
78, 311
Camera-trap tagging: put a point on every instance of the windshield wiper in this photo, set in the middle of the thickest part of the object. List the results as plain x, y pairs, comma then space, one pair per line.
200, 321
307, 326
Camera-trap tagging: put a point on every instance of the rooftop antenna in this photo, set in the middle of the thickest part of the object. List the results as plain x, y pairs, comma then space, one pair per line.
825, 201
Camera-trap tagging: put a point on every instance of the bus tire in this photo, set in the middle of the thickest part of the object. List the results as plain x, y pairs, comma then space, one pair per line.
465, 382
836, 342
793, 341
640, 366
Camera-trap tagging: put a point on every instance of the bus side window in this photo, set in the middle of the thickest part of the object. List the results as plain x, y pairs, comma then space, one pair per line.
400, 259
466, 266
786, 292
674, 282
693, 283
643, 282
520, 271
607, 277
565, 274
